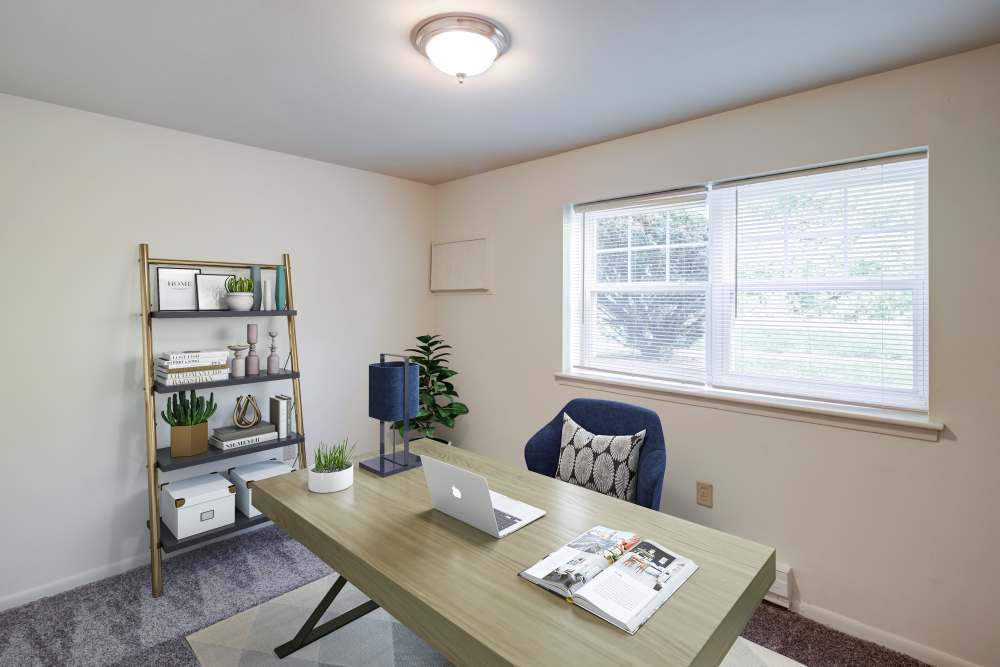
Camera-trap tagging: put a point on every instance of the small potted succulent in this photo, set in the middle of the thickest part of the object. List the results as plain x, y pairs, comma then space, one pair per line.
239, 293
188, 419
332, 468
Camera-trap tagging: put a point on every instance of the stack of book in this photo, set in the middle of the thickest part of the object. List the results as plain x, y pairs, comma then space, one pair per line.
177, 368
281, 414
231, 437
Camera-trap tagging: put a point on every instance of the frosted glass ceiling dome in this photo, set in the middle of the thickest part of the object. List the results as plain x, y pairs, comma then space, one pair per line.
460, 45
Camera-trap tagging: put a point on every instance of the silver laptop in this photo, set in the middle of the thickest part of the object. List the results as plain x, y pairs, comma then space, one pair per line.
467, 497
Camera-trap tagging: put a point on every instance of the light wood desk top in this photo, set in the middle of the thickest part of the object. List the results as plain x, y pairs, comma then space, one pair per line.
458, 588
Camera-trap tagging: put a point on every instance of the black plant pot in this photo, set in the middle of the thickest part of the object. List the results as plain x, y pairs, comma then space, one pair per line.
414, 438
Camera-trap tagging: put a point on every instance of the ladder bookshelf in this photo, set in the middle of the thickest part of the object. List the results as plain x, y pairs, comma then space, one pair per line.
157, 460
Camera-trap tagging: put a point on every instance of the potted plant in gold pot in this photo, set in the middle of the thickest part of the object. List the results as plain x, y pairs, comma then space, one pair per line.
188, 419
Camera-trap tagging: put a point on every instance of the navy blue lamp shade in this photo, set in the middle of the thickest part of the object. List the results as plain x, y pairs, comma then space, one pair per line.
385, 391
386, 404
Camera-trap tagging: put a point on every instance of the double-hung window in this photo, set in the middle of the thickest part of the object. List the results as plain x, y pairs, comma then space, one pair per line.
640, 286
809, 284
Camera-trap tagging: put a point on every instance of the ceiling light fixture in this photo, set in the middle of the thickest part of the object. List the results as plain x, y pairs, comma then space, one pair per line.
460, 45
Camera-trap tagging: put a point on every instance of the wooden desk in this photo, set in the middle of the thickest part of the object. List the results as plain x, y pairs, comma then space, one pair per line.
458, 588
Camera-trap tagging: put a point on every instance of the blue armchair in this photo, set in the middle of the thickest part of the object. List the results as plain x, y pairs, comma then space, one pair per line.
541, 454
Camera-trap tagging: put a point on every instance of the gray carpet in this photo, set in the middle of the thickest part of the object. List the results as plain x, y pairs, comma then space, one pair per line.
115, 622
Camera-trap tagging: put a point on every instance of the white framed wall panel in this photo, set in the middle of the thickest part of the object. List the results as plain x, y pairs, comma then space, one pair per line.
460, 266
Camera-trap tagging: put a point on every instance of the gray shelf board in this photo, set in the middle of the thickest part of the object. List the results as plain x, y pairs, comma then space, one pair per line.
170, 543
189, 314
250, 379
166, 462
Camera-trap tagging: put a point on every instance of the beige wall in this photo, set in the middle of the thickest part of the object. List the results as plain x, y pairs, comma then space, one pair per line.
889, 537
899, 536
78, 192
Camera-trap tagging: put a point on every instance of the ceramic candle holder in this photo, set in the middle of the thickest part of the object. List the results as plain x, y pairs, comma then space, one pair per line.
239, 368
273, 361
253, 361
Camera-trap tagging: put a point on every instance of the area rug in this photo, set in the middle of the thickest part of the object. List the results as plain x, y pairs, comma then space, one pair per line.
374, 640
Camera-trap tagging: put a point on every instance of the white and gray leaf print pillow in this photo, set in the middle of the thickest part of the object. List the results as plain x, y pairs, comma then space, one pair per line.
603, 463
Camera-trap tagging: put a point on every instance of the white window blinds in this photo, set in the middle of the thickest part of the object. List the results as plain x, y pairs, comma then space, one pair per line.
820, 284
811, 284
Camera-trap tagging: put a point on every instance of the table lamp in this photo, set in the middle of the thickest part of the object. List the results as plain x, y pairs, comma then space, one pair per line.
393, 395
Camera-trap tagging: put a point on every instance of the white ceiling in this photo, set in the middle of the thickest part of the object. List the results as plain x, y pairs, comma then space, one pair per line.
339, 81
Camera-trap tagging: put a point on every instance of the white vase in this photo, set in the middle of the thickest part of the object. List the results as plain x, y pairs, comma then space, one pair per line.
239, 300
266, 296
328, 482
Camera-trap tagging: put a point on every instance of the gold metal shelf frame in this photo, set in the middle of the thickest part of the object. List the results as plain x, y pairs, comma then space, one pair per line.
145, 297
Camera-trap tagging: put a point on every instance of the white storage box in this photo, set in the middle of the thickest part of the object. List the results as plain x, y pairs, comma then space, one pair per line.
243, 478
195, 505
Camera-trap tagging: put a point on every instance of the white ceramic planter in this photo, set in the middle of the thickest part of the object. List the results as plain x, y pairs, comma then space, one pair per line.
239, 300
329, 482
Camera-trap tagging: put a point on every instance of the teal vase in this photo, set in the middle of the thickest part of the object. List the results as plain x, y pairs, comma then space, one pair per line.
280, 291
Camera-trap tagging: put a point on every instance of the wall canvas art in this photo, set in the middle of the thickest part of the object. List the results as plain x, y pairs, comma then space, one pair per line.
211, 288
176, 289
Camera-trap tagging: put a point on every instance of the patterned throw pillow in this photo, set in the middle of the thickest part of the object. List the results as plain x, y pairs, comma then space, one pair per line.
604, 463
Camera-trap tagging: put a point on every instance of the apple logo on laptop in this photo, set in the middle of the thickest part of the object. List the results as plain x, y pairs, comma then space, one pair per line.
455, 492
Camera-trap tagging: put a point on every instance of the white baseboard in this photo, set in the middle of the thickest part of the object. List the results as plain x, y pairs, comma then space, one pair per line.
931, 656
72, 581
102, 572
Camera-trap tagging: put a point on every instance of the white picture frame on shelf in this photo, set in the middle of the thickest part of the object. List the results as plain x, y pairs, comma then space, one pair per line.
176, 289
211, 290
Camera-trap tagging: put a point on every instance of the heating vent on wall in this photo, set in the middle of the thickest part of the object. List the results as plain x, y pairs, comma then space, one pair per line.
781, 589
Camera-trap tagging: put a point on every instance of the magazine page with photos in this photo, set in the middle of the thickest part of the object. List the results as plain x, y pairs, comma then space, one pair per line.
568, 568
613, 574
628, 592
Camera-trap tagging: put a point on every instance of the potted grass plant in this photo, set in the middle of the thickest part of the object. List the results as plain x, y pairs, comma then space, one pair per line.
188, 419
333, 468
239, 293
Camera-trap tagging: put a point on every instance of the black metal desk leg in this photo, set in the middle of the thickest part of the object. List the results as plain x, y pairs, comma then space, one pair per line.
310, 632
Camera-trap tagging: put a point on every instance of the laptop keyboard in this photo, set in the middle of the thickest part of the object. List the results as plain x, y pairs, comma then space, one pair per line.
505, 520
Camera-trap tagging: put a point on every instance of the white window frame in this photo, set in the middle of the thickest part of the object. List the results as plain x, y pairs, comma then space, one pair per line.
591, 287
719, 384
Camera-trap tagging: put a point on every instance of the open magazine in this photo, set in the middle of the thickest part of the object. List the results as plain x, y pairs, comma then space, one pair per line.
613, 574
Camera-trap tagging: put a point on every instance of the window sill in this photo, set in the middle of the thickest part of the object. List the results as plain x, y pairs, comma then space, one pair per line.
874, 420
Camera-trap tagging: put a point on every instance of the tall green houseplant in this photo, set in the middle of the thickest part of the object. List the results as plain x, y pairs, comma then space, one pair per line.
437, 392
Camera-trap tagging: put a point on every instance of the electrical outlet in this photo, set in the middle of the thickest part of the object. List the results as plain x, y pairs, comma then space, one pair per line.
704, 493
